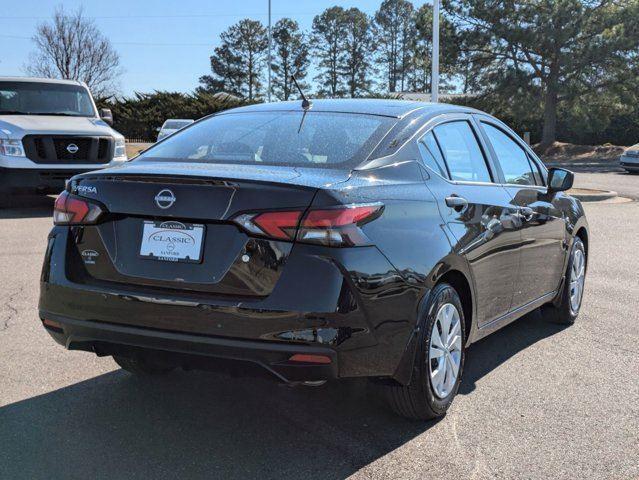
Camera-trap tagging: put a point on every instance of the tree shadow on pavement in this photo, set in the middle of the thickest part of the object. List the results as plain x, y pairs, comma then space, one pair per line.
204, 425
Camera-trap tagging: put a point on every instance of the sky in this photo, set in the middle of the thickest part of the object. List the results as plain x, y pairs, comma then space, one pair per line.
163, 45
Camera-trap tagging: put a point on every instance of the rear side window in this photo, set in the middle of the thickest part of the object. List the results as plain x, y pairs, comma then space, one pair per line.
175, 125
432, 155
462, 153
289, 138
513, 159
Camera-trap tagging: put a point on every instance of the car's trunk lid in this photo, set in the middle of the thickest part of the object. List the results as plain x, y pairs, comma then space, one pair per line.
194, 199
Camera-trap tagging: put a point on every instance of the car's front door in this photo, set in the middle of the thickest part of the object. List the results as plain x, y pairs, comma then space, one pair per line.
477, 210
543, 229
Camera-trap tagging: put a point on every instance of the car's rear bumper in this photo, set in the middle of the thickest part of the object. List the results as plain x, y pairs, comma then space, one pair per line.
107, 339
350, 304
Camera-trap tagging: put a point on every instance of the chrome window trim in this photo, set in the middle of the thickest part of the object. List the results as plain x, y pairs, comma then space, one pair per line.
456, 117
517, 139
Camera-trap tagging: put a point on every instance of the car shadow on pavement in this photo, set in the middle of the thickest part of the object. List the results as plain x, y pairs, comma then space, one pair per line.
204, 425
489, 353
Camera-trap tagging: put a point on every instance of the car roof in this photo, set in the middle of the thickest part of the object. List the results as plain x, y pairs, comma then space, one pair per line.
40, 80
369, 106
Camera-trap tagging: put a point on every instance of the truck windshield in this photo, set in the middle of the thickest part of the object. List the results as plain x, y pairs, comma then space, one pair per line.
289, 138
37, 98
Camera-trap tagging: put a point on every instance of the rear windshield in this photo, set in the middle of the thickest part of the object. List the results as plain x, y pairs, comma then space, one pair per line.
314, 139
37, 98
176, 124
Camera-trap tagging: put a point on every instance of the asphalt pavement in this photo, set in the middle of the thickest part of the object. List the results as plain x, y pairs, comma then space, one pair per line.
537, 401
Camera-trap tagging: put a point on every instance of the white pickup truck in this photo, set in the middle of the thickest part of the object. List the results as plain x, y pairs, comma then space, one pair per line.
49, 131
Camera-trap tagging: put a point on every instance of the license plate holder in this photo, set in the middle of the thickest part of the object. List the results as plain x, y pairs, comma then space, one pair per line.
172, 241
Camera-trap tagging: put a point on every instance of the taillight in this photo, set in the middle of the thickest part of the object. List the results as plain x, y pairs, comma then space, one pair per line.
70, 210
333, 227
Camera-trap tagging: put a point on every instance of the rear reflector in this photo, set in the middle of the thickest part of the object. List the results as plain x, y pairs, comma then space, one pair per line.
70, 210
304, 358
51, 324
333, 227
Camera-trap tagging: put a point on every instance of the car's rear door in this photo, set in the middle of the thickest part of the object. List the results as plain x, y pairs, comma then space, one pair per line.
543, 228
476, 209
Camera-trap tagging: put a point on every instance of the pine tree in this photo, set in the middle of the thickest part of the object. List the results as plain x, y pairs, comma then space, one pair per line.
237, 64
329, 30
394, 30
566, 49
290, 57
357, 52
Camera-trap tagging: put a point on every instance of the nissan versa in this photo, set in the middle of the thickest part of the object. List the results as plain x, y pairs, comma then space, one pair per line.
343, 238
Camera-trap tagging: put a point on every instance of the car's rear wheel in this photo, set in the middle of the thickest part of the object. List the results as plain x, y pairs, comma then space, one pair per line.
439, 360
141, 365
567, 310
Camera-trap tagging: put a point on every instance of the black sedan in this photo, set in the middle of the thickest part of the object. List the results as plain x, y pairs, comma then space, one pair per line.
347, 238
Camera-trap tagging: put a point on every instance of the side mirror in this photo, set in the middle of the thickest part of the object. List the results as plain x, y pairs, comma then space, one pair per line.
560, 180
106, 115
158, 129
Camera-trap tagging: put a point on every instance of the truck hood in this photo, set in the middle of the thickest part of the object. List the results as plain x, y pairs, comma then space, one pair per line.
16, 126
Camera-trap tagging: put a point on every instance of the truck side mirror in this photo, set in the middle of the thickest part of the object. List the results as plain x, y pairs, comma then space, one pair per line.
106, 115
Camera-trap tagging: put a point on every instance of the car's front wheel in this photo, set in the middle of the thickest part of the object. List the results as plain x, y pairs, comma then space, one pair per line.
567, 309
439, 360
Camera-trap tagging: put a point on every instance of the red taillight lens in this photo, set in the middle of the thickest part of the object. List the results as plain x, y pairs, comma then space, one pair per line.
333, 227
278, 224
70, 210
337, 217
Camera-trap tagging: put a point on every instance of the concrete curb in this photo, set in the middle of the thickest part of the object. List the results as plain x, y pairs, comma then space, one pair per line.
592, 195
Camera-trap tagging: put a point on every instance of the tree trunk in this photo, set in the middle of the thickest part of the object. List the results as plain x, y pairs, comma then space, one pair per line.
549, 134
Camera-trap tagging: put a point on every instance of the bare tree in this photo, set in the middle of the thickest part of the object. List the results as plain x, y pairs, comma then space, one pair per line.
72, 47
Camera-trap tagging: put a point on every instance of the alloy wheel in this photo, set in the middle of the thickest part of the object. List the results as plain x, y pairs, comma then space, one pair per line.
577, 278
445, 352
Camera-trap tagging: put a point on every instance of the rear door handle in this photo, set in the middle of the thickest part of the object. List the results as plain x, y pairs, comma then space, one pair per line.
458, 203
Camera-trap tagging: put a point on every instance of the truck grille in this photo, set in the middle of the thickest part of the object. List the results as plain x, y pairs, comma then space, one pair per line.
52, 149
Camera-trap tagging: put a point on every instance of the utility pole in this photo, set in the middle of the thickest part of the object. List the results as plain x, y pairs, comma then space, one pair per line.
269, 51
434, 84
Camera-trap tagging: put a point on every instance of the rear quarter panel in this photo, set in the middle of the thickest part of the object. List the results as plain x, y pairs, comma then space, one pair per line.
411, 234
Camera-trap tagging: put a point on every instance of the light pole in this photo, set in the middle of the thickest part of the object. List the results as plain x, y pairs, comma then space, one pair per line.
434, 85
269, 51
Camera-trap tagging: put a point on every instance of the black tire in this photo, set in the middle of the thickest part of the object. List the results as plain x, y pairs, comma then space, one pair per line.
141, 366
562, 311
418, 400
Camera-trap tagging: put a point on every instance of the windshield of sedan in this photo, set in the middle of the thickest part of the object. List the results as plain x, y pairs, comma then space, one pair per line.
37, 98
310, 139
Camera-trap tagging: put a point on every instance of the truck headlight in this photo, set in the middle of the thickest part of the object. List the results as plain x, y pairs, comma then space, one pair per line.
120, 149
11, 148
